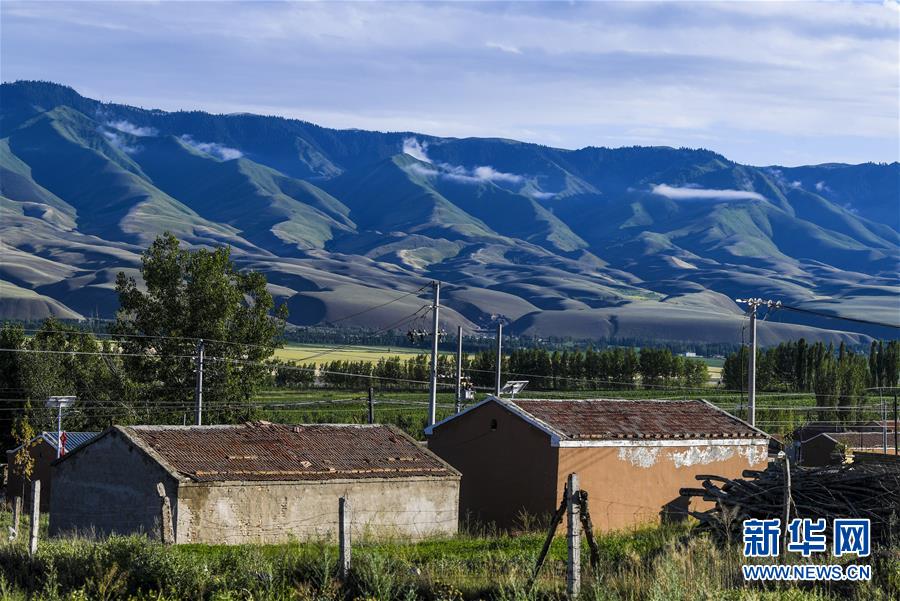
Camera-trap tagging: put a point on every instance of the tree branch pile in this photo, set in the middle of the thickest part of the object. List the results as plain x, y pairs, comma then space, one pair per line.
846, 491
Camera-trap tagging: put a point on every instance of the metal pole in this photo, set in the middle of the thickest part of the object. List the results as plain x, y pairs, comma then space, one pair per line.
371, 405
432, 401
198, 393
751, 370
883, 425
459, 391
499, 358
59, 430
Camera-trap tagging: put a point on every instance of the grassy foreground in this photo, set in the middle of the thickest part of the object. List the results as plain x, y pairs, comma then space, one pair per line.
658, 563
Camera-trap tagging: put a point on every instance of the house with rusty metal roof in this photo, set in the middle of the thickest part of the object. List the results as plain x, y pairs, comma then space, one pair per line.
632, 457
255, 482
834, 448
44, 450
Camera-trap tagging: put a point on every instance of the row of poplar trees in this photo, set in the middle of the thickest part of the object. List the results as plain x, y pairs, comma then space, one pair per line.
616, 368
838, 377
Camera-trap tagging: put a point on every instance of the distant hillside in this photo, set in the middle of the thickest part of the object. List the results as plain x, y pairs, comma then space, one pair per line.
597, 242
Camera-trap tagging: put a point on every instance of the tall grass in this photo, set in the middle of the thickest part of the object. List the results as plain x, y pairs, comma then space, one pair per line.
659, 563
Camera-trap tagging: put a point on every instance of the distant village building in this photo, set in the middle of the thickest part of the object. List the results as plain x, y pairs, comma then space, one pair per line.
824, 443
253, 483
632, 457
833, 448
43, 451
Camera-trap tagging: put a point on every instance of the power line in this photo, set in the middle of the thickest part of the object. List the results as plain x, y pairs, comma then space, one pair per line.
832, 316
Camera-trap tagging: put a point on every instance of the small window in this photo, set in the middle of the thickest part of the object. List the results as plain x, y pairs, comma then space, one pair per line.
493, 424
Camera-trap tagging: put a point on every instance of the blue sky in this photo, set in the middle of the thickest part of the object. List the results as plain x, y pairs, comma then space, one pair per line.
762, 82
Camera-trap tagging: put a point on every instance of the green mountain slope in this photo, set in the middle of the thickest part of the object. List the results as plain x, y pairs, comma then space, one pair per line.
595, 241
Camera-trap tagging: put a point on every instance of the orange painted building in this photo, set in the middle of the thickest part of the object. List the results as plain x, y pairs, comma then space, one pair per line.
631, 456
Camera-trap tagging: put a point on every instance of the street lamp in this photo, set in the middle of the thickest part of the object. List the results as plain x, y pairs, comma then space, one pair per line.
59, 402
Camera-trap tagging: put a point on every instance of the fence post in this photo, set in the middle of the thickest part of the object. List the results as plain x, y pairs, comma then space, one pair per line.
344, 536
371, 405
787, 501
17, 512
573, 538
35, 516
166, 532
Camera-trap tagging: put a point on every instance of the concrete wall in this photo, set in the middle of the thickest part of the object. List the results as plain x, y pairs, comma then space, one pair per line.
631, 485
270, 512
108, 486
505, 471
43, 454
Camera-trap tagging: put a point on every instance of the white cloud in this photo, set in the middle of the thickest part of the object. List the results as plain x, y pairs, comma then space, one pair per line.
131, 128
541, 195
492, 175
504, 47
118, 141
457, 173
822, 187
416, 149
690, 193
420, 169
221, 151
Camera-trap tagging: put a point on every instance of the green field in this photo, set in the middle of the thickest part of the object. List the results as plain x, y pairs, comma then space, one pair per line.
302, 353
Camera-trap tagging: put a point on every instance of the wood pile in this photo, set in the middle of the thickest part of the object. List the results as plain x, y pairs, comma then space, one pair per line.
846, 491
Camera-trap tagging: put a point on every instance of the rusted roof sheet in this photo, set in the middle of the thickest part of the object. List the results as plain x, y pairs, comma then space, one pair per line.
604, 419
863, 440
262, 451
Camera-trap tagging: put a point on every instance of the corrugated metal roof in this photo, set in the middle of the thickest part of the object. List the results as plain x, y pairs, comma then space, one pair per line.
263, 451
73, 439
604, 419
863, 440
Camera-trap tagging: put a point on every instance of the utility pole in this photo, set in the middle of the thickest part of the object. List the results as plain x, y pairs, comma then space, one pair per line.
573, 540
752, 305
198, 393
497, 384
896, 429
58, 403
371, 405
459, 391
883, 425
432, 401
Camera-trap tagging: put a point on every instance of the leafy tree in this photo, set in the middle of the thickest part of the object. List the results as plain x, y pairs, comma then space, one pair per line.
193, 295
23, 434
12, 338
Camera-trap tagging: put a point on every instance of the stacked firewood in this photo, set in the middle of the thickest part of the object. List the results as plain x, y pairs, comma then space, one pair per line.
846, 491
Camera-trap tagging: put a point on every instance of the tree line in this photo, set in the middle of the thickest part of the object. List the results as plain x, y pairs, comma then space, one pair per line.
589, 369
837, 377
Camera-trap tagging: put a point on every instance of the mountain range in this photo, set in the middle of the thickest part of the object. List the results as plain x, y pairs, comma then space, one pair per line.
637, 242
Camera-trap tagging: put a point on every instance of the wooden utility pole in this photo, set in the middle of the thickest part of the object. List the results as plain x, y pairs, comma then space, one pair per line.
787, 501
198, 392
573, 540
344, 537
459, 390
752, 305
371, 405
432, 400
497, 384
35, 516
